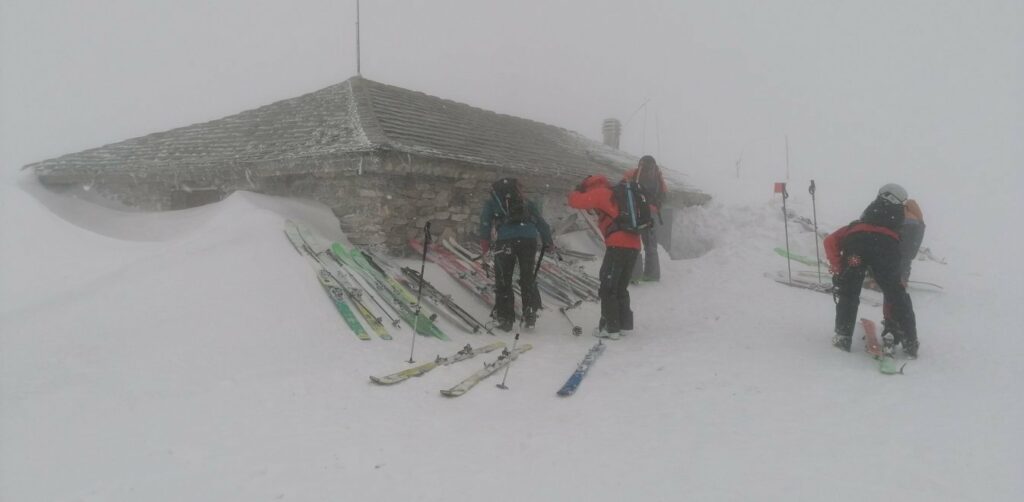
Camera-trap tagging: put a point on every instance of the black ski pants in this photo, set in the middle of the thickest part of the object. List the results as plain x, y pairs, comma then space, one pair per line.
647, 266
616, 270
881, 254
508, 253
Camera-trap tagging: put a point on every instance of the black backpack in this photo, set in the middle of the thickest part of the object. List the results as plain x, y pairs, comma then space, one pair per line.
512, 207
634, 209
884, 214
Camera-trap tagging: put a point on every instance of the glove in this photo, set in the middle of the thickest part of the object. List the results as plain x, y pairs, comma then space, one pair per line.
548, 248
836, 281
485, 246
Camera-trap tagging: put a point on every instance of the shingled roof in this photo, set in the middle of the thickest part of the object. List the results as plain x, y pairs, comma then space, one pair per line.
357, 115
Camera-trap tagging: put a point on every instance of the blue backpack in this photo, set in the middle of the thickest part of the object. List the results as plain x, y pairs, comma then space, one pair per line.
634, 209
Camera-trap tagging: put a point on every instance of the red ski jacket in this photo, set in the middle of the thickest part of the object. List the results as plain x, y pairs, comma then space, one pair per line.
834, 242
597, 195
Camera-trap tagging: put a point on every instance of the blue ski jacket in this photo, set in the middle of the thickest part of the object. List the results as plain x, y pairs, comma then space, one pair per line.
537, 227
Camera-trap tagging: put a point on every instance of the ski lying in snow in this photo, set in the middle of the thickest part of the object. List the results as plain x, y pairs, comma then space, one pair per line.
489, 369
886, 362
802, 259
573, 382
467, 352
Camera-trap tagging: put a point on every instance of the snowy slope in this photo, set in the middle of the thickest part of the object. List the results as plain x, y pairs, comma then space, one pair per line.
192, 355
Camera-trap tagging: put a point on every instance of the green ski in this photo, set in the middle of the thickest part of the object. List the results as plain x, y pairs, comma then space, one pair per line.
802, 259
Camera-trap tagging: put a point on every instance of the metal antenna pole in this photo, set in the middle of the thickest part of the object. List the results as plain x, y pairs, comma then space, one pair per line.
419, 294
359, 70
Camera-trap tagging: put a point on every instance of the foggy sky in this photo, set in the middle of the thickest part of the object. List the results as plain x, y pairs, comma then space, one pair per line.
928, 91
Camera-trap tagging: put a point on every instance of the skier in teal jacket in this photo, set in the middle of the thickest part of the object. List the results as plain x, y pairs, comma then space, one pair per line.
516, 224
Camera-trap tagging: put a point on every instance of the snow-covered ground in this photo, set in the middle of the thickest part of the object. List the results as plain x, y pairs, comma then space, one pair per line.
192, 355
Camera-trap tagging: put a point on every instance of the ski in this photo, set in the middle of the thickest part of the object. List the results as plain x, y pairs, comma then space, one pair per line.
355, 295
802, 259
489, 369
887, 364
467, 352
574, 380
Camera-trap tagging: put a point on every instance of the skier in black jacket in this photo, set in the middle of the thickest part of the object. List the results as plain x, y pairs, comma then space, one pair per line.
872, 242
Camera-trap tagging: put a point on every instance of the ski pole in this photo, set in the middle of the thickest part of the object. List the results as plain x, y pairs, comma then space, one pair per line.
785, 221
814, 209
419, 294
509, 365
576, 330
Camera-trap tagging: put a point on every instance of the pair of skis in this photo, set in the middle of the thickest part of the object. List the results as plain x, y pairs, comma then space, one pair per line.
504, 359
467, 352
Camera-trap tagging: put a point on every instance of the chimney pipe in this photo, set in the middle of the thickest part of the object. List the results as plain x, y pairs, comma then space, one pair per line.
611, 130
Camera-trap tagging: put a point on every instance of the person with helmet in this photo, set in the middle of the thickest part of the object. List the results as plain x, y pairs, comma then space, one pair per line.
623, 247
517, 224
648, 175
872, 243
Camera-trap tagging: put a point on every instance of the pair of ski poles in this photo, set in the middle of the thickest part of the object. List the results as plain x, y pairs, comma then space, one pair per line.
785, 219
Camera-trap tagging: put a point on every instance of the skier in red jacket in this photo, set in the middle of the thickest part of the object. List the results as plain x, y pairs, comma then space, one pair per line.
623, 247
872, 242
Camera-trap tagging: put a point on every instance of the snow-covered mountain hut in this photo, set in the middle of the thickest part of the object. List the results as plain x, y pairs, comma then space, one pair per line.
385, 159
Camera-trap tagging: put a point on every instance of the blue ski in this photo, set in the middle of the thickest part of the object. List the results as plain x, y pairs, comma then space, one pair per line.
573, 382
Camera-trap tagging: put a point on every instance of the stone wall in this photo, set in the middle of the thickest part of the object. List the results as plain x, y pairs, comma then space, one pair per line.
391, 202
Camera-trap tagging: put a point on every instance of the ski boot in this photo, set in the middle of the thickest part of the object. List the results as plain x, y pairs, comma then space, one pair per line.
602, 333
529, 319
892, 336
505, 325
910, 348
842, 342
